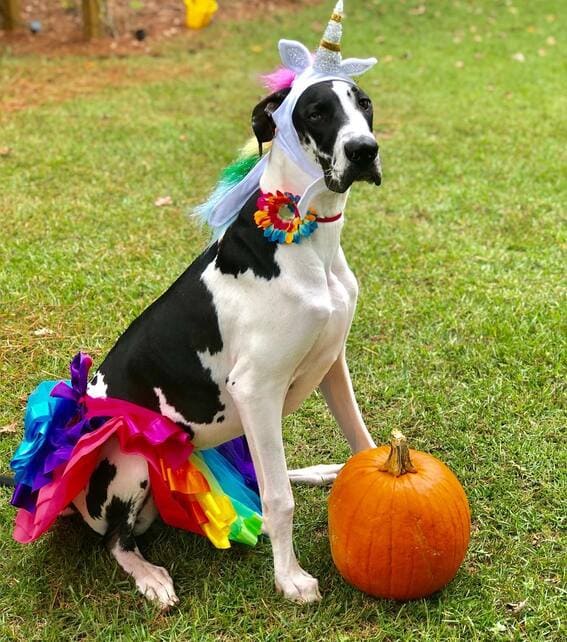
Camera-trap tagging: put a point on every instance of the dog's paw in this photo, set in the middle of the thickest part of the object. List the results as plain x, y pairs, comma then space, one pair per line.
156, 584
299, 587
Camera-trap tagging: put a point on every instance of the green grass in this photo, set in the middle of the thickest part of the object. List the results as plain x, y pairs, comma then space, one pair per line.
459, 338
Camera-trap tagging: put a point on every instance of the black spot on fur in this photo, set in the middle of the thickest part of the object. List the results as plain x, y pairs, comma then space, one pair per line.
220, 419
244, 247
121, 519
318, 117
144, 484
160, 350
319, 99
103, 474
141, 508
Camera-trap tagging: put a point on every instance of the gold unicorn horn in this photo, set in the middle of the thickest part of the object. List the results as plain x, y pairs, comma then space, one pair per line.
328, 55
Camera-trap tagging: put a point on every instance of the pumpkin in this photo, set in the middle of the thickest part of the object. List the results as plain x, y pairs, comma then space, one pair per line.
399, 522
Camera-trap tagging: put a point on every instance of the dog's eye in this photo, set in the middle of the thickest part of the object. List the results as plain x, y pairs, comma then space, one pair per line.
364, 103
315, 116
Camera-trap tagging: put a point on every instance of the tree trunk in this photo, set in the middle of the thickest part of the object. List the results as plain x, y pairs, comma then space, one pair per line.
91, 18
11, 13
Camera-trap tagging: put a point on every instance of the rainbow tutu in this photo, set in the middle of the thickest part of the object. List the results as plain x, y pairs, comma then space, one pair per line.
211, 492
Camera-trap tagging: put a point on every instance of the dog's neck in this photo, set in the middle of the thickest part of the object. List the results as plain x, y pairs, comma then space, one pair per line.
283, 174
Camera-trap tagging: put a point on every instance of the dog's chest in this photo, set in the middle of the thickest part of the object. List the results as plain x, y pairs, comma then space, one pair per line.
292, 327
338, 293
246, 306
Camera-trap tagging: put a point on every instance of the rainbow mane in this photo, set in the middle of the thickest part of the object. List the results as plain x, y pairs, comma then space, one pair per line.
229, 177
237, 171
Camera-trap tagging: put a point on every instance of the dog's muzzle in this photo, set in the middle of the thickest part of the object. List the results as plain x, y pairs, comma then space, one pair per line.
362, 152
363, 164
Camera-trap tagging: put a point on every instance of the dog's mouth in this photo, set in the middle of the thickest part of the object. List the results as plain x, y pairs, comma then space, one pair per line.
339, 183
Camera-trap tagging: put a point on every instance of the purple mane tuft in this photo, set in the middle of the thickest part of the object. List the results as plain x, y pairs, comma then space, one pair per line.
280, 78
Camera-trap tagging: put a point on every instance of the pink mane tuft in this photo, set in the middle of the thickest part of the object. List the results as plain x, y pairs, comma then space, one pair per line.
280, 78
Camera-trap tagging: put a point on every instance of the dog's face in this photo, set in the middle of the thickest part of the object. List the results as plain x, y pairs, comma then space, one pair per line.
333, 120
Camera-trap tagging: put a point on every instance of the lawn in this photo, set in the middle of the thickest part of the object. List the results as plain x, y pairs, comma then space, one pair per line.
460, 333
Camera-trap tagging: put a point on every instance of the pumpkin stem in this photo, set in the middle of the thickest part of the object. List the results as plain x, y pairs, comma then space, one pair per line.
398, 462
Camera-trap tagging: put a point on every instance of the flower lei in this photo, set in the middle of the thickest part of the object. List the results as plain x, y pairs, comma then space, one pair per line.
283, 230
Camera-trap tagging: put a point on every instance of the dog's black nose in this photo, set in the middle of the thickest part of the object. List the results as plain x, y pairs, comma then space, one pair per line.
361, 151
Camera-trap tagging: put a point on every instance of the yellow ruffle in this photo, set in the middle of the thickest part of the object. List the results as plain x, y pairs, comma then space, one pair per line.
216, 505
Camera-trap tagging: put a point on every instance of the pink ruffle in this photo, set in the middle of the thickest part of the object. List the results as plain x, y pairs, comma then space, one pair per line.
140, 431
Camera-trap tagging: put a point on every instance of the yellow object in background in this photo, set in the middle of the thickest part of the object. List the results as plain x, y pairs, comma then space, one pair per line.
200, 13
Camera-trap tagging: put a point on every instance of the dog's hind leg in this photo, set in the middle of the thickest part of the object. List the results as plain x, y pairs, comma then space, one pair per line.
319, 475
337, 390
152, 581
118, 505
124, 521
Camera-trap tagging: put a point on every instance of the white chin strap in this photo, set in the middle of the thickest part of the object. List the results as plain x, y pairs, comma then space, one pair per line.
288, 140
314, 189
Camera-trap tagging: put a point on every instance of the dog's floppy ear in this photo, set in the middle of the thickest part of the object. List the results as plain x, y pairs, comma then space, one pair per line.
262, 121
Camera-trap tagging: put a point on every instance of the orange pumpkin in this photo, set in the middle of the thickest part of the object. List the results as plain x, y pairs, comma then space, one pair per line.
399, 522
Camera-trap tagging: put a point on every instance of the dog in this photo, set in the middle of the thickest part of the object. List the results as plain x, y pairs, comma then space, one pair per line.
241, 339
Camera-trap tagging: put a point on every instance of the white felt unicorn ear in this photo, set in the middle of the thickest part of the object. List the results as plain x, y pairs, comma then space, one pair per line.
357, 66
294, 55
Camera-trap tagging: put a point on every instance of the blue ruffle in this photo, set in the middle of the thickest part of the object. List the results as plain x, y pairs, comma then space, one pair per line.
45, 416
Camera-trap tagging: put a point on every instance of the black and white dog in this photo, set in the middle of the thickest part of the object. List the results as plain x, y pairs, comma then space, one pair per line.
244, 335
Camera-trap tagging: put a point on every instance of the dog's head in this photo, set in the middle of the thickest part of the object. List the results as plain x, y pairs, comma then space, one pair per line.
333, 120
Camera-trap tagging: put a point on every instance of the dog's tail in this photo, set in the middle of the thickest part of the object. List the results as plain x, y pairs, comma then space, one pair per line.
6, 480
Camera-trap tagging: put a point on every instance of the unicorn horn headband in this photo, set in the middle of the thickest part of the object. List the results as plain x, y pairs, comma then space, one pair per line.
327, 59
305, 70
328, 56
327, 64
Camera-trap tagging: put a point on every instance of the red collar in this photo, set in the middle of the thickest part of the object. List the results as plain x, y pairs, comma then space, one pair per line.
329, 219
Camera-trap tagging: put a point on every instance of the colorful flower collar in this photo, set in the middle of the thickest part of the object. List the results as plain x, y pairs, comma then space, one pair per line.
291, 227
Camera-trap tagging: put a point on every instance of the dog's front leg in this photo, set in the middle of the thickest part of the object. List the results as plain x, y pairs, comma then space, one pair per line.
339, 395
260, 409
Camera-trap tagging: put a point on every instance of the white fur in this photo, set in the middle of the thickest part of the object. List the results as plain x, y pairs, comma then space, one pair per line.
319, 475
152, 581
356, 127
98, 389
167, 410
131, 470
282, 338
298, 328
